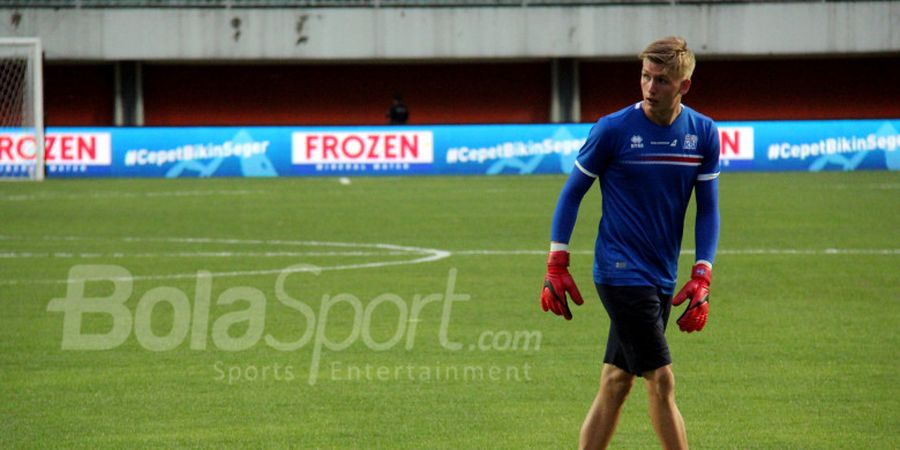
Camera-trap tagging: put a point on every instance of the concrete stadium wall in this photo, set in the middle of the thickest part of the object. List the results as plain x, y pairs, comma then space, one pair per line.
365, 34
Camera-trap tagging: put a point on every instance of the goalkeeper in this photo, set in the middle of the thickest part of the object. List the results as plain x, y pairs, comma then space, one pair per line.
648, 158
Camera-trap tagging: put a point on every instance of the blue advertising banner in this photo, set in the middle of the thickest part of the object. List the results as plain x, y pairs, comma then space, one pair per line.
822, 145
424, 150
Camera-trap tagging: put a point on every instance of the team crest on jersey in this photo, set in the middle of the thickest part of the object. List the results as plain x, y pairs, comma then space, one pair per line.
690, 142
637, 141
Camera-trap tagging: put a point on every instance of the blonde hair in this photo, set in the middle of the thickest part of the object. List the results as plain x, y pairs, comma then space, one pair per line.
672, 53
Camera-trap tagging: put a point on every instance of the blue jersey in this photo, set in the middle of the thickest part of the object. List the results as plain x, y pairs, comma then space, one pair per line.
647, 173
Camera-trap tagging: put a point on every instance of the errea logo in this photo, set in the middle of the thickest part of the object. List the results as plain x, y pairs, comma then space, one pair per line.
637, 141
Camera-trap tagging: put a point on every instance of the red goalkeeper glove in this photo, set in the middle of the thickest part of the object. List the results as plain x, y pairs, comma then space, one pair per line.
697, 290
557, 283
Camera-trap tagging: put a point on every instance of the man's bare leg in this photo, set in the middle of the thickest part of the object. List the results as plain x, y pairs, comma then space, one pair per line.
603, 416
666, 418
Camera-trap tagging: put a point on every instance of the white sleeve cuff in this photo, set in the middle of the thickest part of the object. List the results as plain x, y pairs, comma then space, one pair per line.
707, 176
584, 171
557, 246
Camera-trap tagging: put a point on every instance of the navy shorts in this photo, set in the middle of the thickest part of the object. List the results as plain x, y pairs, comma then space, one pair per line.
638, 316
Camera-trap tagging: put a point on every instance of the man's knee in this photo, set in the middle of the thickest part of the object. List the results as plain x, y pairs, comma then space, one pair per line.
616, 381
661, 382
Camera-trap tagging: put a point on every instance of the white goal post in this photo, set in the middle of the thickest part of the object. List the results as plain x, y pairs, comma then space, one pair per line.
21, 109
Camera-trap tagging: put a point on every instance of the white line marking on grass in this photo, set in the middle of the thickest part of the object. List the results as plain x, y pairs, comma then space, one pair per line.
104, 195
119, 255
511, 252
424, 255
757, 251
824, 251
877, 186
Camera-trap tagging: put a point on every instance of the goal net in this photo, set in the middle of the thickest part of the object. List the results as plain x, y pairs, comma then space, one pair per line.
21, 109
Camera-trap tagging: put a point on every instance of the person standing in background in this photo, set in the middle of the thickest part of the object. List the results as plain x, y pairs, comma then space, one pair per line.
398, 114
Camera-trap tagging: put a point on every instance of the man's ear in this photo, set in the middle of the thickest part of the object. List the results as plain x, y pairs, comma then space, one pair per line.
685, 86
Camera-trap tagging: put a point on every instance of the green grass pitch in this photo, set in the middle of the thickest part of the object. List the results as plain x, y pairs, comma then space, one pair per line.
802, 349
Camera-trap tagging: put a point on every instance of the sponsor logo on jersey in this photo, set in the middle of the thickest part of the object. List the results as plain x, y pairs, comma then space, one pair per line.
637, 141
